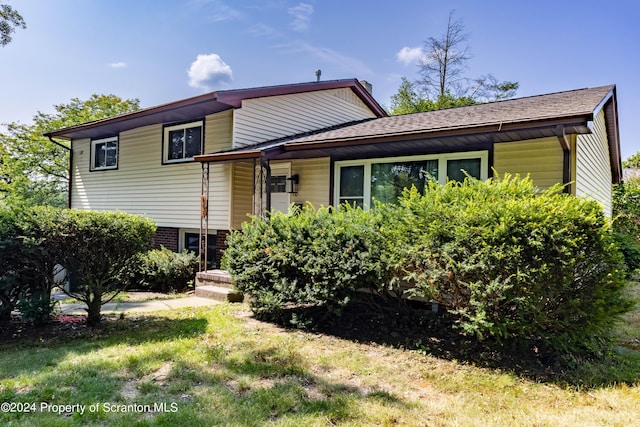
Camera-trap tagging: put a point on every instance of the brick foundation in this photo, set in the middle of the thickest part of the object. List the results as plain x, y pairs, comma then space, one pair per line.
167, 237
221, 244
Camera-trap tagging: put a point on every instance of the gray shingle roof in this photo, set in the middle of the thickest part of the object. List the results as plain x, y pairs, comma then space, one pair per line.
579, 102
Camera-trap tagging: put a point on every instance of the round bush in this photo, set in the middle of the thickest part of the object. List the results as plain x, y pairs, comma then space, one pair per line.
314, 257
511, 262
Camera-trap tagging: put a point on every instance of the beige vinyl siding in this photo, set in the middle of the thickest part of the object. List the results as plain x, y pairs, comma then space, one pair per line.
142, 185
242, 191
314, 181
264, 119
218, 132
541, 159
593, 167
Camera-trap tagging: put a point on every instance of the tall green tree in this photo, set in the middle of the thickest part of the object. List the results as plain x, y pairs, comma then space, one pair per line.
409, 99
33, 169
10, 19
443, 83
632, 162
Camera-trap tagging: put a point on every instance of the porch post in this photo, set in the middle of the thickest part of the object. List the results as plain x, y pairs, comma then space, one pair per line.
204, 218
267, 168
261, 187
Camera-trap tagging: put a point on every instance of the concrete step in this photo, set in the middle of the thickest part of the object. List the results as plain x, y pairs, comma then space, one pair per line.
219, 293
221, 278
217, 285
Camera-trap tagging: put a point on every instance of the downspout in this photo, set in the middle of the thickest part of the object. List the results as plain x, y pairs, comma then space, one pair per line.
565, 144
70, 167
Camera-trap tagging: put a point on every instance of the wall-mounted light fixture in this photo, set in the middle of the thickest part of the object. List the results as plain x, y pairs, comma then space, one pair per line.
295, 181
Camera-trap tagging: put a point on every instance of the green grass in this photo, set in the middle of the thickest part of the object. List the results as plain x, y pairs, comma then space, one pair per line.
213, 366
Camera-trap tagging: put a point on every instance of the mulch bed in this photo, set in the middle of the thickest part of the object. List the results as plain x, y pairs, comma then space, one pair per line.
65, 326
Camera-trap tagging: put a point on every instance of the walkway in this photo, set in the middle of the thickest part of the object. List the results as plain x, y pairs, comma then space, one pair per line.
139, 306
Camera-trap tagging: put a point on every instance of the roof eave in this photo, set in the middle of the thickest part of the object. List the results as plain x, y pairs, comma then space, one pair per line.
235, 97
229, 156
610, 106
196, 100
574, 124
216, 102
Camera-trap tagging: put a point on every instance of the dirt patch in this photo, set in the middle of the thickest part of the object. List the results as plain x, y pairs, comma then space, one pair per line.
67, 326
159, 376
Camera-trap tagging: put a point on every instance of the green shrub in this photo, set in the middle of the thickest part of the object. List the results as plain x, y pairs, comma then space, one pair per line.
311, 258
35, 308
511, 262
96, 247
10, 288
630, 249
163, 270
28, 264
626, 221
35, 270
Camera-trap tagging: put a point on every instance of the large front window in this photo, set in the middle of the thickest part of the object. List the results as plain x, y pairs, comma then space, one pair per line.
182, 142
360, 182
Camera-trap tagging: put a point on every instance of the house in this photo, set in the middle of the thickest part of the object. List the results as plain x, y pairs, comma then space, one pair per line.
142, 162
201, 165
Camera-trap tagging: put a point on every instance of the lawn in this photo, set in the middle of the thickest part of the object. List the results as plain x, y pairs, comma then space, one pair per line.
219, 366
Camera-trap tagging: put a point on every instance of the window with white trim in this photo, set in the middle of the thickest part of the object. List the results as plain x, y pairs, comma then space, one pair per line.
182, 142
104, 153
359, 182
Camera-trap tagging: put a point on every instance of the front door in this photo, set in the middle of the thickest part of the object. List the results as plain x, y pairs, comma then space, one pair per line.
280, 197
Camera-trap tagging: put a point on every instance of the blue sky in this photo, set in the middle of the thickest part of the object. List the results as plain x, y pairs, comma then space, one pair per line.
162, 51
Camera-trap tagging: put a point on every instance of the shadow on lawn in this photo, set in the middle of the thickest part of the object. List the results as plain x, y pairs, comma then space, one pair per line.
60, 338
64, 329
434, 334
257, 385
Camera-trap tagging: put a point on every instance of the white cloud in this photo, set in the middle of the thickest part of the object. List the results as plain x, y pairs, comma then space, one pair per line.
209, 71
118, 65
409, 55
301, 16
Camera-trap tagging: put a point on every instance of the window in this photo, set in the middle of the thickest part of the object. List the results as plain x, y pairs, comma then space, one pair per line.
192, 243
352, 185
457, 168
279, 184
104, 153
388, 180
182, 142
360, 182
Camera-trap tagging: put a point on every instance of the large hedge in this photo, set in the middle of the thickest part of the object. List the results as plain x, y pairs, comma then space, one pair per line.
95, 248
509, 262
312, 257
